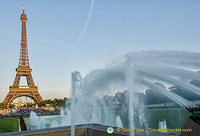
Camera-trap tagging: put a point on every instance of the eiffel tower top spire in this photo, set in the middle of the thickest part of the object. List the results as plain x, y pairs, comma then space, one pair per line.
23, 59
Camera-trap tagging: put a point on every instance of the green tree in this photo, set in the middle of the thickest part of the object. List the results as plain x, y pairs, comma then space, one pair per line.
1, 105
55, 102
11, 106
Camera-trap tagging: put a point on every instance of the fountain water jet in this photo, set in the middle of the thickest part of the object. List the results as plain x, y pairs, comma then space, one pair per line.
132, 87
162, 124
89, 103
36, 120
98, 82
119, 122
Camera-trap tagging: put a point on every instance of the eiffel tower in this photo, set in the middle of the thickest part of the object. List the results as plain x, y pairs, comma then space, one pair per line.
23, 70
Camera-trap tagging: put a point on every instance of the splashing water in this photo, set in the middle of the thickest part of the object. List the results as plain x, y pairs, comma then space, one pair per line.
150, 69
162, 124
36, 120
119, 122
140, 68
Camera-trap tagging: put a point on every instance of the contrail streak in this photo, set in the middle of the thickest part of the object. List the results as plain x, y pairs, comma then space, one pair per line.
71, 55
86, 24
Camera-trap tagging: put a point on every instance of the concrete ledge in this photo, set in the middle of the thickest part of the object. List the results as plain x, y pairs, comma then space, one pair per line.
26, 124
190, 124
80, 130
18, 125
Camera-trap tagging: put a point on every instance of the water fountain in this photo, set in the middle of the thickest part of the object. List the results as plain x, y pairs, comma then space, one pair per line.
91, 100
36, 121
162, 124
119, 122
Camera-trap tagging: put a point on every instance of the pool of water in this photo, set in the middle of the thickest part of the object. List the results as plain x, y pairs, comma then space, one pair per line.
45, 122
173, 117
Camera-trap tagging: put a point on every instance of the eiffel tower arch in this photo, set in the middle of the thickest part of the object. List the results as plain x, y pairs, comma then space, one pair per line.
23, 70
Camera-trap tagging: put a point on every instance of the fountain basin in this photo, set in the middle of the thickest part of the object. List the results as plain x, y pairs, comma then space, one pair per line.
80, 130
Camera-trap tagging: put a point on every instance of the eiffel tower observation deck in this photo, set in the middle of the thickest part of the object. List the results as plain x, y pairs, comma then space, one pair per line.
23, 70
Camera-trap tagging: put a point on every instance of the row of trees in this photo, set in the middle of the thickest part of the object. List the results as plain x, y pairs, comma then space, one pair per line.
1, 105
55, 102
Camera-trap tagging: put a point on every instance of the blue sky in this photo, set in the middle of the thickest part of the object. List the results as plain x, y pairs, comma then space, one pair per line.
116, 27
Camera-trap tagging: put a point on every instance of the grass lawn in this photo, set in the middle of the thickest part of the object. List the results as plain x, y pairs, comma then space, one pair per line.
8, 125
